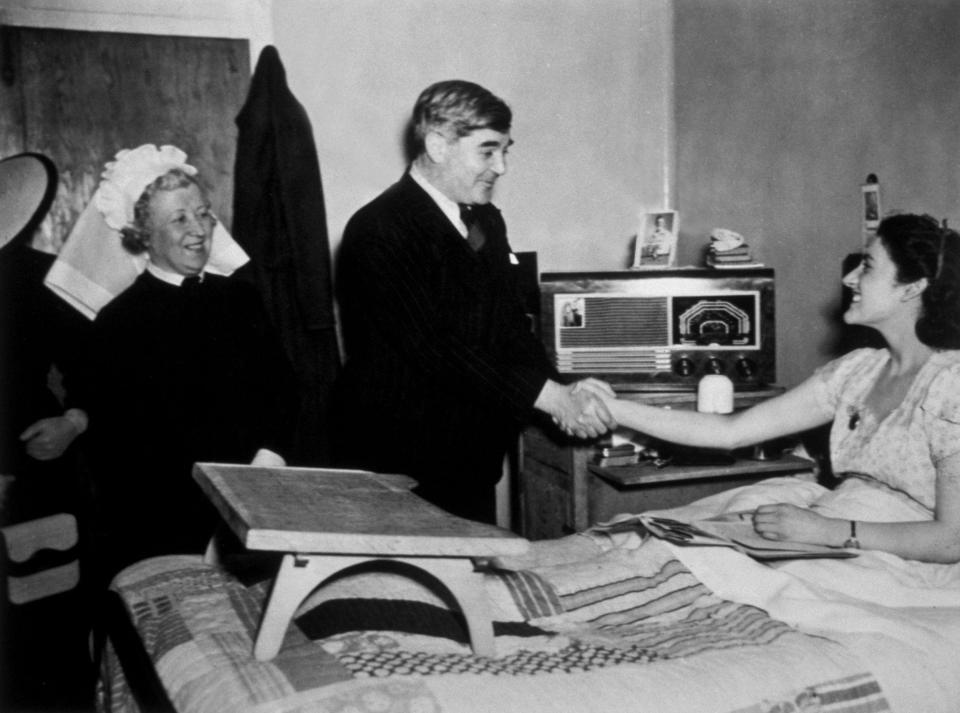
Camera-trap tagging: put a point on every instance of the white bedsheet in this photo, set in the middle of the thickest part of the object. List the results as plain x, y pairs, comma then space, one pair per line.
902, 617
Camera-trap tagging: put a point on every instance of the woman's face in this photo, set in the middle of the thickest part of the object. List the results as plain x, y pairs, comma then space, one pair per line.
181, 230
877, 293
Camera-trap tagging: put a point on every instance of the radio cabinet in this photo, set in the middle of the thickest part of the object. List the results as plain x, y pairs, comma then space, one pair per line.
664, 329
561, 492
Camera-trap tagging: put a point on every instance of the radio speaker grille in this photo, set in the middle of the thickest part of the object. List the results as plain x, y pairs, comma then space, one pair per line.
614, 361
619, 322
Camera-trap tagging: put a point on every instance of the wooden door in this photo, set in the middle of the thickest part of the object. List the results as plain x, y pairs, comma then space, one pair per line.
79, 97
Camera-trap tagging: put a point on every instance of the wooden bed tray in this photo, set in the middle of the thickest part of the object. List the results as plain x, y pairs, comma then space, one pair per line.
326, 521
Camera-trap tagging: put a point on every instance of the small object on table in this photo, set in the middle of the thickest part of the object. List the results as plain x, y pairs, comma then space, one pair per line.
728, 249
325, 521
612, 456
715, 394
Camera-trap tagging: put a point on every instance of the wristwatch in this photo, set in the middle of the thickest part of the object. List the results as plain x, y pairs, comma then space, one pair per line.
852, 542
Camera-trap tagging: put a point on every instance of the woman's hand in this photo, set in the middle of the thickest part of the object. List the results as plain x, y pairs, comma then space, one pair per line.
48, 438
598, 388
785, 522
578, 412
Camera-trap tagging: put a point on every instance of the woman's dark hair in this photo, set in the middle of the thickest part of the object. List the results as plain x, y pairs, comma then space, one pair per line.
136, 238
920, 248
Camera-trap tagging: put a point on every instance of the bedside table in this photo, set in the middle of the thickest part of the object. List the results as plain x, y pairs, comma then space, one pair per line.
560, 490
636, 488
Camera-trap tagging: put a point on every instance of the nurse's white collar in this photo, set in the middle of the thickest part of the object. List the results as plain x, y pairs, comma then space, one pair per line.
171, 278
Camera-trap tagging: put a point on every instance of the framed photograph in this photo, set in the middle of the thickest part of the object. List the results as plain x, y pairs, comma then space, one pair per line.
871, 206
571, 313
656, 240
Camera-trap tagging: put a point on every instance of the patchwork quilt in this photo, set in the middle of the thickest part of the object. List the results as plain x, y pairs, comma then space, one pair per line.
581, 625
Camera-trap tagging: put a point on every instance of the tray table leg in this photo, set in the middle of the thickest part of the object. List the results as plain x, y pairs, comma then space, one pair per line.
301, 574
467, 587
297, 577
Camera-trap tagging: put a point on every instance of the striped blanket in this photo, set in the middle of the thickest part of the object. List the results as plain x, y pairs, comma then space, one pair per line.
591, 627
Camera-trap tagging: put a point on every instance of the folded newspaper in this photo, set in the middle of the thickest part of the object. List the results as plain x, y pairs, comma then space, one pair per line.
725, 531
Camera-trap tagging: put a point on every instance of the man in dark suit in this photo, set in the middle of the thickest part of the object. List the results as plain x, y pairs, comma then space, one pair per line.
442, 369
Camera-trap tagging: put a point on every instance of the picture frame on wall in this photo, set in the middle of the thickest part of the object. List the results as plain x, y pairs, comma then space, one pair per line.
572, 313
656, 245
871, 204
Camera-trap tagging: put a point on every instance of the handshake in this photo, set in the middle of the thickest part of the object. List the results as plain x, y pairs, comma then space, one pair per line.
579, 409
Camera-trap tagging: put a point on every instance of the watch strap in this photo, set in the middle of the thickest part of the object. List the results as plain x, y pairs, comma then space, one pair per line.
852, 542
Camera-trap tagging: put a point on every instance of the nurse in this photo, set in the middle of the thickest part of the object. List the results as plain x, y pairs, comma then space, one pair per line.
185, 367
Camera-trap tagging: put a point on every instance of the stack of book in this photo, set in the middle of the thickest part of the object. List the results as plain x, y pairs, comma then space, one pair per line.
622, 454
727, 249
735, 257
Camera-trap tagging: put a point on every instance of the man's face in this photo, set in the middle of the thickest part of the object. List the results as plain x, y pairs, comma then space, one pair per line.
470, 166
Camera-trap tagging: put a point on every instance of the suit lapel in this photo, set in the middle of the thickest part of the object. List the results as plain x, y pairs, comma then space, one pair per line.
428, 215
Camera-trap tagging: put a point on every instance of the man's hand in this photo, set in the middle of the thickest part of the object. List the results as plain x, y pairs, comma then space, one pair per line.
577, 411
48, 438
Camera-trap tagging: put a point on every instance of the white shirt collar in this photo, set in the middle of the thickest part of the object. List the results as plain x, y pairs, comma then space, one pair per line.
449, 208
171, 278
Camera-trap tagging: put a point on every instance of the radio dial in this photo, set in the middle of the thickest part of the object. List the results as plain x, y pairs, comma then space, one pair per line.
714, 366
684, 366
747, 368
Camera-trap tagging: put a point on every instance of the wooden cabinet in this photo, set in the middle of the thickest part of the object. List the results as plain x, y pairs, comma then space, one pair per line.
560, 491
552, 484
611, 491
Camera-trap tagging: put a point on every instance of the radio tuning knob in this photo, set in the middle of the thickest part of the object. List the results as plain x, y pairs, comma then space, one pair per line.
746, 367
684, 366
714, 366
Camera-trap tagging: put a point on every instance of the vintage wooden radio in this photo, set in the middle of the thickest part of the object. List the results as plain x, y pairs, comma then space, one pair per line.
662, 329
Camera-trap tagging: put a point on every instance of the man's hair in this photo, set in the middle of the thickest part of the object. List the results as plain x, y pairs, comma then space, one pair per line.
455, 108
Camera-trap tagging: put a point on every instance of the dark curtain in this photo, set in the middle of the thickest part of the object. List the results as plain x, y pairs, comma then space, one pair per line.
280, 220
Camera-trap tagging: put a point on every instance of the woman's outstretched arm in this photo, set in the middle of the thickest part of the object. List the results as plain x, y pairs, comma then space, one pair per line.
791, 412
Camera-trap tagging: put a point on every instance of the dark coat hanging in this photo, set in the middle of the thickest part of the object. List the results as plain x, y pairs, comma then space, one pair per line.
280, 220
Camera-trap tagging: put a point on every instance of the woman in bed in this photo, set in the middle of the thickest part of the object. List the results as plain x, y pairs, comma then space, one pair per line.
185, 368
895, 438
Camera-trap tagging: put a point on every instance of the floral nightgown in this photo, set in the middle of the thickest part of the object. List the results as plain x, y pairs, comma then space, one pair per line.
901, 451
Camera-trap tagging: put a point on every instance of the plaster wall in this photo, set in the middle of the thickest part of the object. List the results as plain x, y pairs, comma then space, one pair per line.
763, 116
783, 108
589, 84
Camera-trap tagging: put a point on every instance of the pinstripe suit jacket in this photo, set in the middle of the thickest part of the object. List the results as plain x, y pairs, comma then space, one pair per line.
438, 348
